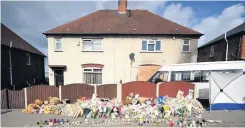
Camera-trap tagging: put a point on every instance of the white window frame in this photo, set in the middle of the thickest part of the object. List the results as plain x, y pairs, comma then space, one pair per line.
148, 42
28, 57
82, 42
58, 50
211, 54
186, 44
92, 68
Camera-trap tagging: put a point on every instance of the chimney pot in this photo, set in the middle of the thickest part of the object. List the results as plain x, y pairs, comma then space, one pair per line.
122, 6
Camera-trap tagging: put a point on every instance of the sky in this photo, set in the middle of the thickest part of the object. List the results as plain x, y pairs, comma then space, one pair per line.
30, 19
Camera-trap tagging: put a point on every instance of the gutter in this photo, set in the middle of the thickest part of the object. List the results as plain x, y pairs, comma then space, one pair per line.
10, 64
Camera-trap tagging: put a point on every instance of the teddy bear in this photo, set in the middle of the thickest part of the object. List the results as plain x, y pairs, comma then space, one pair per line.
46, 102
38, 102
129, 99
54, 100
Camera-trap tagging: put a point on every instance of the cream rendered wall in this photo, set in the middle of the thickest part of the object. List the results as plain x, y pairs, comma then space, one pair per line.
115, 57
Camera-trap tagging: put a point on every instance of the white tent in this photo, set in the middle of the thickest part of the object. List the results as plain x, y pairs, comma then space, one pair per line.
227, 91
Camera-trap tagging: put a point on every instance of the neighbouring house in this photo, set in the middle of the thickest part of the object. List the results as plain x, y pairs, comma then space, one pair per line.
112, 46
215, 50
21, 63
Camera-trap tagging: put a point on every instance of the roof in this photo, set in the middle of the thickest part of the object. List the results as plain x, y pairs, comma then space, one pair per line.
8, 35
218, 65
133, 22
240, 28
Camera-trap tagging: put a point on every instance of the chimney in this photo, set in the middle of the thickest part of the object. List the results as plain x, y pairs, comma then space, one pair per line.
122, 6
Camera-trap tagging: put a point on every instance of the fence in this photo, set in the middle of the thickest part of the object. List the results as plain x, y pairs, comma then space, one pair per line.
20, 99
139, 87
75, 91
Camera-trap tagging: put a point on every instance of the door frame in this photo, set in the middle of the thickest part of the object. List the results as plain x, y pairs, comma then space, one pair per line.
55, 82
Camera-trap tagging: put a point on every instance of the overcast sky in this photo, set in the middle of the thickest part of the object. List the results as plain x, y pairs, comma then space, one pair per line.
30, 19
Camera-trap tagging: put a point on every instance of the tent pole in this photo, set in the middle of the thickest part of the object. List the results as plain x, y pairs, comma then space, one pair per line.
210, 108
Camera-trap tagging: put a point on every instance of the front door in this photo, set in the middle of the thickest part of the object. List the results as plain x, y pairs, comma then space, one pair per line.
59, 77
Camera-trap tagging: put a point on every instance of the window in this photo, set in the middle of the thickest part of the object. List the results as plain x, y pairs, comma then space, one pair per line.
190, 76
212, 51
92, 44
160, 77
92, 76
58, 45
186, 46
151, 45
176, 76
186, 76
28, 59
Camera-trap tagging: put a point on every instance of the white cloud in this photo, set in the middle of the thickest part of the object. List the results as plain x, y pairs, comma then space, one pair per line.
179, 14
214, 26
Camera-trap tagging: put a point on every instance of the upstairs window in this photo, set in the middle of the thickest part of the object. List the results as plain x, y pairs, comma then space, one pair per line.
212, 51
28, 59
92, 45
92, 75
186, 45
151, 45
58, 45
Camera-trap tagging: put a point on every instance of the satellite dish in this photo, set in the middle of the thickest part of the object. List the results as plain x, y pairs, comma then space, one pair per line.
131, 57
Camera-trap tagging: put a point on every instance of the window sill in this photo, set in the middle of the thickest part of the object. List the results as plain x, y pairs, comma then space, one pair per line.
186, 51
91, 51
151, 52
58, 50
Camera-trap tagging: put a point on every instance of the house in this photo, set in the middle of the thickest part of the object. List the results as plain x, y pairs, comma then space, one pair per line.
21, 63
112, 46
215, 50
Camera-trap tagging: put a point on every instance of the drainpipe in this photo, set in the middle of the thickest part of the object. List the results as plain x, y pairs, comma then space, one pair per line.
10, 64
227, 48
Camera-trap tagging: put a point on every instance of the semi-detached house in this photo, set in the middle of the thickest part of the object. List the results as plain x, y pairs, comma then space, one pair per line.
112, 46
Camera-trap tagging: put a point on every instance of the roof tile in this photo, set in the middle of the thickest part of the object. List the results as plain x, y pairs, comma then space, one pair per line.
111, 22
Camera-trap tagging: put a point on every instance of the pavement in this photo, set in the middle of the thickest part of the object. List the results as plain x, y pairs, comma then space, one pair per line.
15, 118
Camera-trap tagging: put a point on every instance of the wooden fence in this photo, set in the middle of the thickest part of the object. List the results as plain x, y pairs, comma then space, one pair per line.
75, 91
20, 99
172, 88
42, 92
107, 91
12, 99
142, 88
